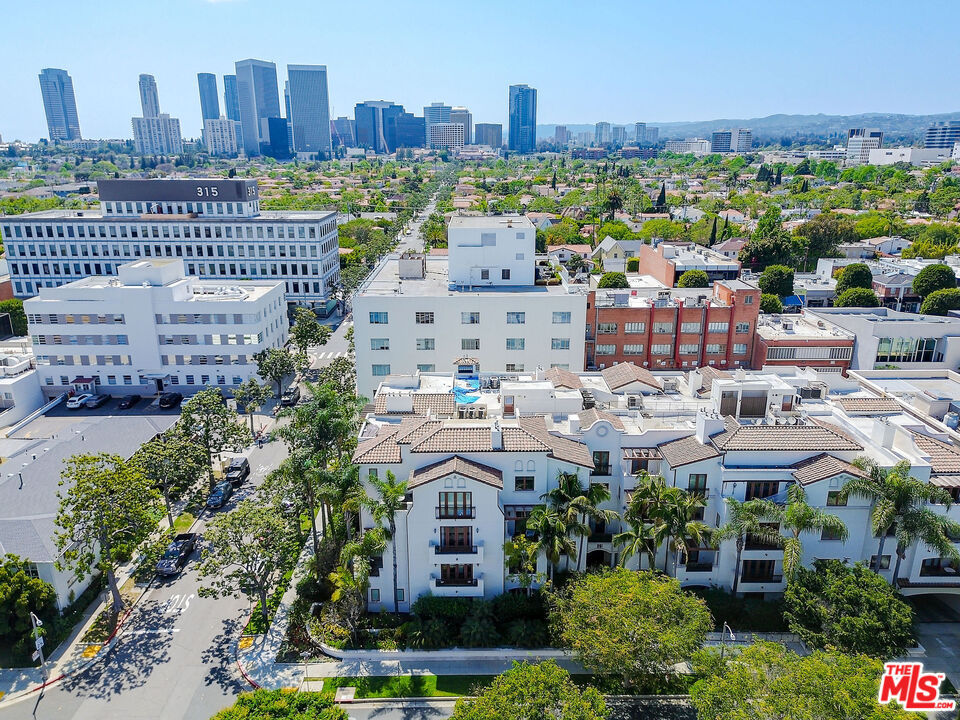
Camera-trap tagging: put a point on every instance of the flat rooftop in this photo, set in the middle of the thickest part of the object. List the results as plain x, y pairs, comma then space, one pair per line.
385, 280
95, 214
495, 222
201, 290
780, 327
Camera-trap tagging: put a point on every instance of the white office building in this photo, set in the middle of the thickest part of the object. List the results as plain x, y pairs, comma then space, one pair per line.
152, 328
158, 135
215, 225
480, 306
445, 136
221, 137
860, 141
914, 156
697, 146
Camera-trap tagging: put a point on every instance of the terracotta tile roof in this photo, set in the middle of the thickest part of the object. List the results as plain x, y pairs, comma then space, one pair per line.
623, 374
440, 404
819, 436
414, 429
455, 439
833, 427
686, 450
456, 464
379, 449
563, 378
944, 457
589, 417
560, 447
823, 466
868, 404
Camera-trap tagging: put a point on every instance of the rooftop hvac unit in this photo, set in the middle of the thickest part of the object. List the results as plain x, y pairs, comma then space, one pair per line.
670, 385
634, 402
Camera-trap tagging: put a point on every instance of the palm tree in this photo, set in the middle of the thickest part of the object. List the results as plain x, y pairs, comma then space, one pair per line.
649, 496
677, 529
798, 516
384, 509
899, 504
352, 578
552, 539
577, 505
638, 540
746, 519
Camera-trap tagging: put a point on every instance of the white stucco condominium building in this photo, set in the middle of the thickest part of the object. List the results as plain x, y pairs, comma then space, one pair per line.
152, 328
215, 225
481, 305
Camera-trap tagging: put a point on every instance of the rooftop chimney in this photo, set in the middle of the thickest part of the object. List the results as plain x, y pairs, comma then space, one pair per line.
496, 436
708, 424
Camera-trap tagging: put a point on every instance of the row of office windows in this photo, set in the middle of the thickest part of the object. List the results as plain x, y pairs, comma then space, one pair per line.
70, 319
28, 288
379, 344
610, 328
220, 339
90, 231
173, 250
667, 349
174, 380
470, 318
80, 340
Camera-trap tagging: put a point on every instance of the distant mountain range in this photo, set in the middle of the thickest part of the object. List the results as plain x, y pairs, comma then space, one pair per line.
895, 126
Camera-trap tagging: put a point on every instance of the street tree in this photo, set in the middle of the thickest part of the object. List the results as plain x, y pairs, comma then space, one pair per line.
857, 297
248, 549
21, 593
770, 304
941, 302
635, 625
855, 275
283, 705
933, 278
351, 578
206, 419
766, 680
275, 364
746, 519
849, 608
307, 330
172, 463
107, 508
251, 396
384, 507
613, 280
694, 279
776, 280
533, 691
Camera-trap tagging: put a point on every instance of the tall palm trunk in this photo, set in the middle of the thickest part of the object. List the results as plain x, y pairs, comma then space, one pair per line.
736, 574
883, 539
581, 543
666, 554
896, 568
393, 543
313, 529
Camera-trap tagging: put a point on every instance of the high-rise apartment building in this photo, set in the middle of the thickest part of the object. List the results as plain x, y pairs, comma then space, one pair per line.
651, 136
736, 140
231, 101
639, 133
209, 98
411, 131
215, 225
59, 104
942, 135
259, 100
618, 134
601, 133
464, 117
342, 132
560, 135
149, 97
220, 137
523, 118
436, 113
860, 141
490, 134
309, 111
445, 136
376, 125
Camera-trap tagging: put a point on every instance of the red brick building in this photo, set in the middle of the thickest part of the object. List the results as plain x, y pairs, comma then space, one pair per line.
665, 329
802, 341
669, 260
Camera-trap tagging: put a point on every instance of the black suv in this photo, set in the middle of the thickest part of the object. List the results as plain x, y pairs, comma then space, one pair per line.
170, 400
238, 471
291, 396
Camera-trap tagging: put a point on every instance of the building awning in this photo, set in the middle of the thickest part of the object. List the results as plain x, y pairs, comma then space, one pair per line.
792, 301
945, 481
641, 454
83, 381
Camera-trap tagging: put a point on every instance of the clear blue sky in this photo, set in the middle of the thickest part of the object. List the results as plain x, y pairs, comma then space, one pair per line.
620, 61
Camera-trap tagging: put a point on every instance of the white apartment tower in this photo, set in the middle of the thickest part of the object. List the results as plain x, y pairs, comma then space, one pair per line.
860, 141
445, 135
220, 136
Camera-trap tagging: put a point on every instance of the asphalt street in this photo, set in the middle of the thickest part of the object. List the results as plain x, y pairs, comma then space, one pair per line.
174, 658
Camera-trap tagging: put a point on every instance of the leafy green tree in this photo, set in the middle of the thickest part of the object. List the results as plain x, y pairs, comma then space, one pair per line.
770, 304
212, 425
766, 680
172, 463
933, 278
307, 331
826, 231
935, 240
941, 302
661, 228
107, 509
18, 318
20, 593
248, 550
900, 503
275, 364
384, 508
776, 280
694, 279
635, 625
617, 230
857, 297
746, 520
759, 252
520, 558
351, 579
676, 528
251, 395
533, 691
713, 233
855, 275
798, 517
769, 225
613, 280
848, 608
633, 264
284, 704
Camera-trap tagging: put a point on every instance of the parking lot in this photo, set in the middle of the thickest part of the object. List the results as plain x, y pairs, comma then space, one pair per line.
59, 419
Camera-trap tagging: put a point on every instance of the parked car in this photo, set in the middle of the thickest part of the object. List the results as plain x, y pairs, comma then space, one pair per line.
170, 400
290, 397
128, 402
177, 554
95, 401
238, 470
78, 401
220, 495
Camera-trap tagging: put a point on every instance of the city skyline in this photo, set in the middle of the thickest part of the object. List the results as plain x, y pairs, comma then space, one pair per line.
571, 92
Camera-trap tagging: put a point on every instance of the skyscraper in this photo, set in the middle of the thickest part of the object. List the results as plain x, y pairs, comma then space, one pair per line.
411, 131
376, 125
464, 117
523, 118
601, 133
342, 131
59, 104
942, 134
309, 110
259, 100
231, 102
560, 135
436, 113
490, 134
860, 141
149, 98
209, 100
639, 132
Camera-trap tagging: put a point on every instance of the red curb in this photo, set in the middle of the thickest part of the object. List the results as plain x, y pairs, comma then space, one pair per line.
246, 677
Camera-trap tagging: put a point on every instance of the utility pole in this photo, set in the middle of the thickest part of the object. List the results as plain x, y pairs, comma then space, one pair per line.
38, 642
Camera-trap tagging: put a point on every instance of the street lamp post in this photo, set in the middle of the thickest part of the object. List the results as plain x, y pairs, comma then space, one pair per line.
38, 642
723, 634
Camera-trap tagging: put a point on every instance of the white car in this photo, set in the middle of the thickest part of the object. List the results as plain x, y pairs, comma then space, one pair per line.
78, 401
